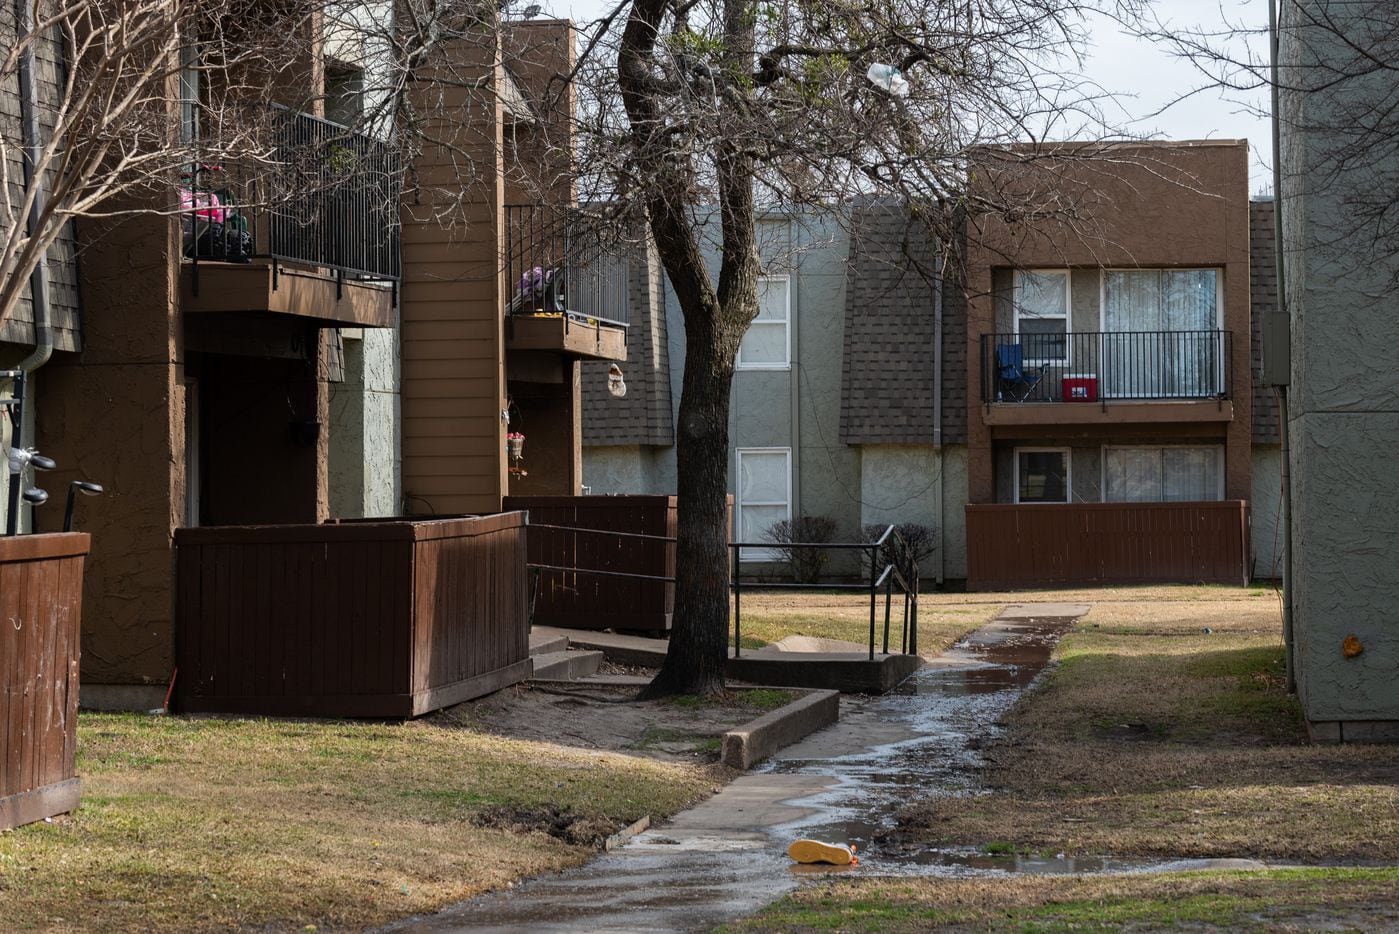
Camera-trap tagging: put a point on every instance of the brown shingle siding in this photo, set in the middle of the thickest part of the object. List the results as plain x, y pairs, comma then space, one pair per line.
62, 264
643, 415
1263, 282
890, 306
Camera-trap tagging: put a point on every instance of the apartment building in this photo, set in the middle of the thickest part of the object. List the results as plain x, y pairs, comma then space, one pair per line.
840, 405
1111, 359
1105, 364
364, 353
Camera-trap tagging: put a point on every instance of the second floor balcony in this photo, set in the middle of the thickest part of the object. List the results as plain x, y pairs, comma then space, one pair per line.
1103, 376
311, 232
568, 290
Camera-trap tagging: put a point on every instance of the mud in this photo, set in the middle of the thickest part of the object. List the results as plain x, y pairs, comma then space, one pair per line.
725, 857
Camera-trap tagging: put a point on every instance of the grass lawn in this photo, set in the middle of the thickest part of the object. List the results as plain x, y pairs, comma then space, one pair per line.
943, 618
1166, 730
211, 823
1280, 900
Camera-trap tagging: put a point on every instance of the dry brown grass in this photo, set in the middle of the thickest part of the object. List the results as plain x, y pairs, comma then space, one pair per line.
1285, 900
274, 825
1156, 737
768, 617
943, 618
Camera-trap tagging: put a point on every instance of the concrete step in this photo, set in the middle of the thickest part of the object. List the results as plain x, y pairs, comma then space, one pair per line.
622, 649
565, 666
547, 642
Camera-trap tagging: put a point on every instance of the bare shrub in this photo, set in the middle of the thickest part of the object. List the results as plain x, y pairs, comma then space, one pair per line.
807, 563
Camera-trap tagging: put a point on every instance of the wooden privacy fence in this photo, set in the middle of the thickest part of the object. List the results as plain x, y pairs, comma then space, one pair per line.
41, 593
390, 618
1106, 543
595, 601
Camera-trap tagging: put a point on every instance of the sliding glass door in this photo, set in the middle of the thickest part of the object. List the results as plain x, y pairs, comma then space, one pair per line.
1161, 335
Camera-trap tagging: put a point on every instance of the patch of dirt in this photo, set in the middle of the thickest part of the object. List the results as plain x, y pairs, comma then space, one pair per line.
608, 717
555, 822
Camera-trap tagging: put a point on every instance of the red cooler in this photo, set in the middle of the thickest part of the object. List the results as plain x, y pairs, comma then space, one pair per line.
1080, 388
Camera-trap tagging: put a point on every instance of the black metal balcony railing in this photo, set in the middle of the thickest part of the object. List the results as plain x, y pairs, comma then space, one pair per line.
1105, 365
328, 198
557, 263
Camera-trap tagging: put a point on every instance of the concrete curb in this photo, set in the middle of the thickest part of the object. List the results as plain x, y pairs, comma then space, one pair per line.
626, 833
750, 744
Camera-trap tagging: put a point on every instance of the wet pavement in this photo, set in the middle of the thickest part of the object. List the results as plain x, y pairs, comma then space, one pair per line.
726, 857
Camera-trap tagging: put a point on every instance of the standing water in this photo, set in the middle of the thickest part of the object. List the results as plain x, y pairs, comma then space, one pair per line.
726, 857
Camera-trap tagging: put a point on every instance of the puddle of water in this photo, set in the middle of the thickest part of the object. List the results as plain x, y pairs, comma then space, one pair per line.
669, 880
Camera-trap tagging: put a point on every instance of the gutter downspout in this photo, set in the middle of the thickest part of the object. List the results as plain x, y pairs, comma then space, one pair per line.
1283, 433
938, 267
29, 129
39, 278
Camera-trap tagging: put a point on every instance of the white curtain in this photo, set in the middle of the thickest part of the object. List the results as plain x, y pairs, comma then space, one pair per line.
763, 488
1163, 475
1168, 352
1131, 316
765, 343
1189, 305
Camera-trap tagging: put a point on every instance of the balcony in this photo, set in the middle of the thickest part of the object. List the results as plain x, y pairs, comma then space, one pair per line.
567, 293
312, 234
1106, 377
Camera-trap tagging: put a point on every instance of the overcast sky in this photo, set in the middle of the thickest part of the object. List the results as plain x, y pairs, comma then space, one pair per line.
1144, 77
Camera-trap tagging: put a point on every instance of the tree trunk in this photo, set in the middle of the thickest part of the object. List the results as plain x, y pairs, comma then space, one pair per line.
715, 320
699, 640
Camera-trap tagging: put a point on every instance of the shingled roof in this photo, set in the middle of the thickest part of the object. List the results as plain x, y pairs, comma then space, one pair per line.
891, 298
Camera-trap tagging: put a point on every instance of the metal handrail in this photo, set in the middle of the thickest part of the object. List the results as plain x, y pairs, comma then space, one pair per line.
614, 534
551, 267
1106, 366
329, 199
886, 578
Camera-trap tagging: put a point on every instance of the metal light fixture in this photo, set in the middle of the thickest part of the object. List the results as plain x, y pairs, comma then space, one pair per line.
85, 487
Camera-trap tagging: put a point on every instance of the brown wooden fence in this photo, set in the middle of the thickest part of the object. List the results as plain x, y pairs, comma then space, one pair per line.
367, 619
41, 592
1106, 543
591, 601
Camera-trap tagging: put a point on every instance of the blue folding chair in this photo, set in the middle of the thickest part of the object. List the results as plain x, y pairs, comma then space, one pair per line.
1014, 383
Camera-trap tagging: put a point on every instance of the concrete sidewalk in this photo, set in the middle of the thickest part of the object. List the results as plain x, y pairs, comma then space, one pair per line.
725, 857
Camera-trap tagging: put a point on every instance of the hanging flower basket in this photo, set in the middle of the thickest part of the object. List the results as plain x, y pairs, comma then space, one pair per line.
515, 445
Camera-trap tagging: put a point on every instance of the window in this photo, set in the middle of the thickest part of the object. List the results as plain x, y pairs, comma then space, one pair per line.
189, 93
1042, 314
764, 496
344, 94
1179, 474
1162, 341
767, 345
1042, 475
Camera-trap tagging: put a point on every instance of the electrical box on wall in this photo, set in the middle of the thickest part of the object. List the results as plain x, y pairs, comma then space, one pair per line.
1276, 332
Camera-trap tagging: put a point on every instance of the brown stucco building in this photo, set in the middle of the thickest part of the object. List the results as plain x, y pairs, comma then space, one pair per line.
1108, 362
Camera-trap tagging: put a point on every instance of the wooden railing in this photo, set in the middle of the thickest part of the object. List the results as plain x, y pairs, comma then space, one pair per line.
562, 543
1106, 543
390, 618
41, 593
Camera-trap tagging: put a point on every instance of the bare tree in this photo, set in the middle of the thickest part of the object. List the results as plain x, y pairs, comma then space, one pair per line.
119, 98
1337, 88
695, 111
